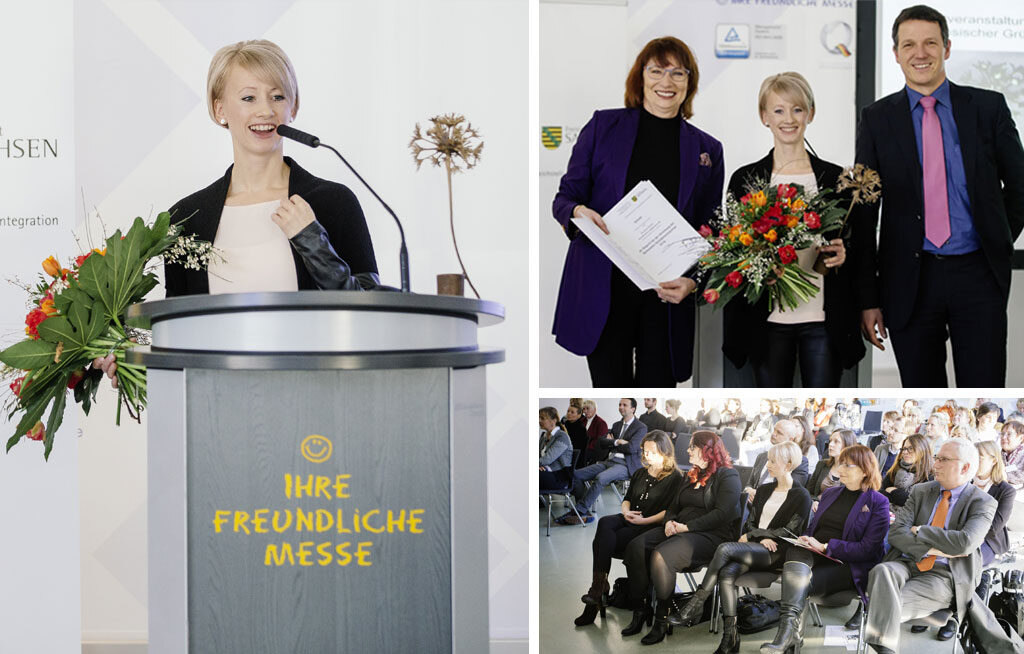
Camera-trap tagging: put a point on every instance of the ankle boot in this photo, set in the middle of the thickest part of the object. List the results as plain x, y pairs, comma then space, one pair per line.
598, 593
588, 615
730, 637
796, 582
641, 614
854, 621
692, 610
661, 625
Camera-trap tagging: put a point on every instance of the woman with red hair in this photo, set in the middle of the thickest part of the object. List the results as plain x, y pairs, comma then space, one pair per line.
703, 516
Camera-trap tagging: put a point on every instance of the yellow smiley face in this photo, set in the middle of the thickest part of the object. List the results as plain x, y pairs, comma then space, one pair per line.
316, 448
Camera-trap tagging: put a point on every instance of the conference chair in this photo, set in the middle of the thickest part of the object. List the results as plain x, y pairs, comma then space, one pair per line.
940, 618
836, 600
564, 492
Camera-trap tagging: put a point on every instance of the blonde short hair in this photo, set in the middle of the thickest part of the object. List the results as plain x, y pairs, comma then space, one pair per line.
789, 85
263, 58
786, 453
589, 404
673, 402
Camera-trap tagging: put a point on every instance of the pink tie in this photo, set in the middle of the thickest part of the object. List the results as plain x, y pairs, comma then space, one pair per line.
936, 202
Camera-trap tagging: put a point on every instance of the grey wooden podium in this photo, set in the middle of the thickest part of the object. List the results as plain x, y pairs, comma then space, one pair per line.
317, 472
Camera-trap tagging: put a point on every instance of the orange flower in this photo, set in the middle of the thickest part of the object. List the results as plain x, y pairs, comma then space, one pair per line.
734, 232
792, 221
47, 307
758, 199
798, 204
51, 266
746, 239
770, 236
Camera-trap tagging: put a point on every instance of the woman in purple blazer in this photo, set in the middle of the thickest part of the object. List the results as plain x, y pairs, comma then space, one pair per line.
600, 313
850, 526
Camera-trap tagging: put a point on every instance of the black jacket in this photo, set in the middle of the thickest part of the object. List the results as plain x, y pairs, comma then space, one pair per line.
745, 325
820, 472
799, 473
887, 274
722, 503
791, 516
998, 538
326, 253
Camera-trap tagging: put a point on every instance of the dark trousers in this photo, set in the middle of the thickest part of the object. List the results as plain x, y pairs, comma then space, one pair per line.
732, 560
614, 533
556, 480
957, 297
637, 323
808, 342
673, 554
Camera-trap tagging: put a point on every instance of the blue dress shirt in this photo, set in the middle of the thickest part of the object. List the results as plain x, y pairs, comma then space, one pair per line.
962, 238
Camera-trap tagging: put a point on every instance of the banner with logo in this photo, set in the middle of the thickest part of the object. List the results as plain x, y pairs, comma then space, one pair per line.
737, 44
39, 506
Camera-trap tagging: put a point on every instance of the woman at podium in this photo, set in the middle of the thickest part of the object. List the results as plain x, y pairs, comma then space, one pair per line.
276, 226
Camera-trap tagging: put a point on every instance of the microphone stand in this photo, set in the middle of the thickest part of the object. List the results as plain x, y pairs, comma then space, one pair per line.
314, 142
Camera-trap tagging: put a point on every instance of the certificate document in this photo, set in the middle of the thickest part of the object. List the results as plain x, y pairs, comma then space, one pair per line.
648, 240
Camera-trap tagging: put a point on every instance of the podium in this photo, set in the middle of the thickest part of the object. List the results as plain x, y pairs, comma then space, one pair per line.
317, 472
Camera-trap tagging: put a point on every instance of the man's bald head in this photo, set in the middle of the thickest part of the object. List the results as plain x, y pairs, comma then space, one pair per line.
787, 430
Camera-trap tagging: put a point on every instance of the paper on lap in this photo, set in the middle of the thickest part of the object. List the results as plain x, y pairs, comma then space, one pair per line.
649, 241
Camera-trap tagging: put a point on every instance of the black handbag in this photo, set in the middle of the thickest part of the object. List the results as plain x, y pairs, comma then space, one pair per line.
619, 597
756, 613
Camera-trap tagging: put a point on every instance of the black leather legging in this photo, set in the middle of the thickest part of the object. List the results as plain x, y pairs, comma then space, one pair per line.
663, 557
732, 560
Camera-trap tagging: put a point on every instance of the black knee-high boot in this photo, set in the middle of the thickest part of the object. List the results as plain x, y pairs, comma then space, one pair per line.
730, 636
796, 583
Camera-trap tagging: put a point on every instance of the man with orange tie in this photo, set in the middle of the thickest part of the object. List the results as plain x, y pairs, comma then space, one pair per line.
935, 562
952, 170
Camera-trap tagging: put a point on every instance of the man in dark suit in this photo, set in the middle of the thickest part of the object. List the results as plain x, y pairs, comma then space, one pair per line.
934, 561
624, 442
942, 263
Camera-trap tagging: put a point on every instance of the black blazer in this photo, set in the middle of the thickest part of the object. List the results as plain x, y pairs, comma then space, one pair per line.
887, 275
745, 326
721, 501
820, 472
998, 538
336, 209
799, 473
792, 515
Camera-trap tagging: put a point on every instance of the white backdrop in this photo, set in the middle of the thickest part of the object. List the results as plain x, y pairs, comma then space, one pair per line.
588, 72
368, 71
39, 515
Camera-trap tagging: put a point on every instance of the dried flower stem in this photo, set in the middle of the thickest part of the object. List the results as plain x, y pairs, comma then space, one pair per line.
451, 223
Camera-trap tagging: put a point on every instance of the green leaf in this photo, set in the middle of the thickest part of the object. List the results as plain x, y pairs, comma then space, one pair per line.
33, 413
158, 239
56, 415
72, 295
29, 354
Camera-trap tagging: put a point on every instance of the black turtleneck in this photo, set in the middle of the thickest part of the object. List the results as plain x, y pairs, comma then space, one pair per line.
656, 155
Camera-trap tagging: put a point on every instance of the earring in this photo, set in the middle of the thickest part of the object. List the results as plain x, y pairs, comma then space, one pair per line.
223, 121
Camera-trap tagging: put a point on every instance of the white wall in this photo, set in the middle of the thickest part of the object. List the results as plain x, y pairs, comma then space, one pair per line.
39, 569
367, 72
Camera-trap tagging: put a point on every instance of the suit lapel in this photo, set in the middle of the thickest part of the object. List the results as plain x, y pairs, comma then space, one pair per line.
961, 506
901, 127
924, 512
965, 115
689, 157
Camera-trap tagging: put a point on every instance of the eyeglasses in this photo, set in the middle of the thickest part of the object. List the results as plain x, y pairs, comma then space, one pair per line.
906, 449
943, 459
677, 75
849, 466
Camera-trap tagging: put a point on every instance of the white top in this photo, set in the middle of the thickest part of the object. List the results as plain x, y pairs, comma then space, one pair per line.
814, 309
771, 507
257, 255
987, 435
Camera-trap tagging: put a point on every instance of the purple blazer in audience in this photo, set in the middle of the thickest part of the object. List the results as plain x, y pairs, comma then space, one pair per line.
863, 532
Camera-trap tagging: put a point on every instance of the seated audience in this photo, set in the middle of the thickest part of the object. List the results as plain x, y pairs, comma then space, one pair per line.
849, 527
652, 489
576, 426
991, 478
597, 429
674, 423
988, 419
786, 429
888, 451
934, 560
555, 451
780, 509
623, 444
703, 516
914, 467
1012, 441
826, 473
651, 417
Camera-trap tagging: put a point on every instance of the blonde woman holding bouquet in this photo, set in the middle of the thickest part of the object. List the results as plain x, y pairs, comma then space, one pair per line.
823, 332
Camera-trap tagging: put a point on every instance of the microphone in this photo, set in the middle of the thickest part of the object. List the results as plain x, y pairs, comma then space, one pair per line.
313, 142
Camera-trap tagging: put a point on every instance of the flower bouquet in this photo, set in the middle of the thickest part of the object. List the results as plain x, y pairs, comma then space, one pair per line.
78, 314
755, 248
